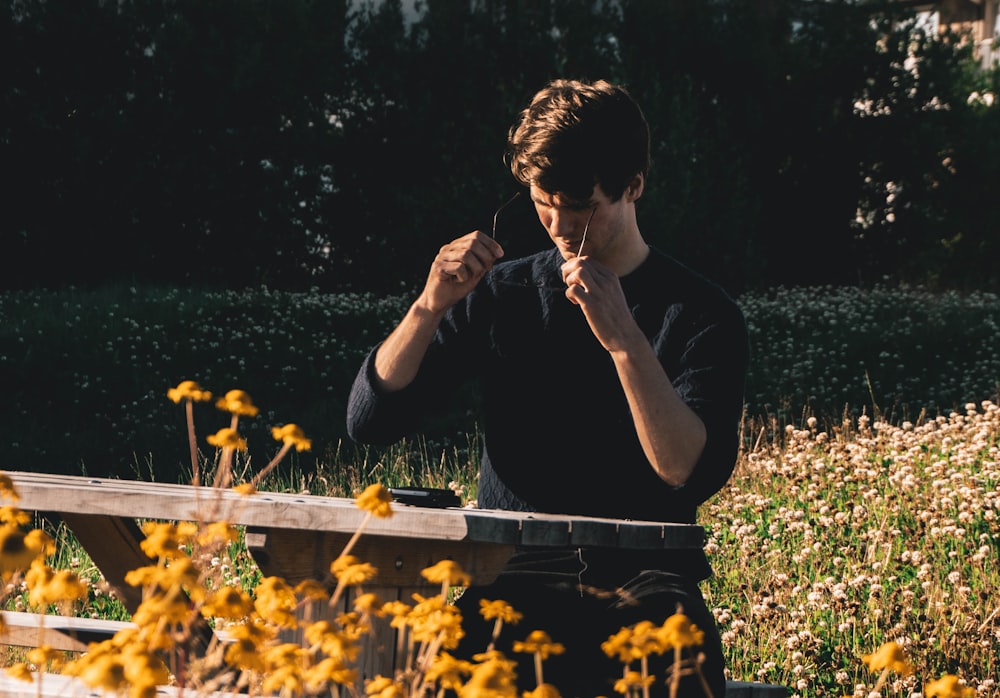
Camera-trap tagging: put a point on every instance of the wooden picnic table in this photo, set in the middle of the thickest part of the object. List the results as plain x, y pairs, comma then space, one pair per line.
297, 536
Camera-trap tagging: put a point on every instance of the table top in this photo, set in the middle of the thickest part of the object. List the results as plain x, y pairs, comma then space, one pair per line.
174, 502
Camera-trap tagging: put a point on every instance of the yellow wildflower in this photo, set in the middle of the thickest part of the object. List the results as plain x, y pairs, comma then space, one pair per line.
384, 687
245, 488
369, 604
188, 390
493, 677
237, 402
285, 679
7, 488
447, 573
164, 539
227, 437
332, 641
328, 670
948, 686
349, 571
292, 434
500, 610
679, 632
104, 671
312, 590
276, 602
18, 549
50, 587
620, 645
228, 602
633, 680
13, 515
43, 655
375, 499
246, 641
172, 606
218, 533
889, 656
447, 671
20, 671
144, 669
545, 690
538, 642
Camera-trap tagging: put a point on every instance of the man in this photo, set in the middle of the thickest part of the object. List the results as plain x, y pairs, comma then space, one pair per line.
612, 385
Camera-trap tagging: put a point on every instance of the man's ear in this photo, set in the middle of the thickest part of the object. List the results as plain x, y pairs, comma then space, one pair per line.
634, 189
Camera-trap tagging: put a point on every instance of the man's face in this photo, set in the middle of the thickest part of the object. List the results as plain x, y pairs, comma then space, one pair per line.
566, 219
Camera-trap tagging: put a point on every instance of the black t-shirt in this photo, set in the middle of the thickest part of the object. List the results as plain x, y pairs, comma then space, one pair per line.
559, 436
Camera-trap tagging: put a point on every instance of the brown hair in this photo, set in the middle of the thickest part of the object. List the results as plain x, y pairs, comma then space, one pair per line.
574, 135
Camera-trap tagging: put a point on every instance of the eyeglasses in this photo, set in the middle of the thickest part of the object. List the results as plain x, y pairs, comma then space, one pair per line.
528, 283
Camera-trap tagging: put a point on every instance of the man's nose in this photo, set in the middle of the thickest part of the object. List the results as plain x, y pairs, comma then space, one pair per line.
562, 224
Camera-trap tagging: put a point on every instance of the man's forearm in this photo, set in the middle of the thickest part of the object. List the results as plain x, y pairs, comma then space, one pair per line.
672, 435
398, 359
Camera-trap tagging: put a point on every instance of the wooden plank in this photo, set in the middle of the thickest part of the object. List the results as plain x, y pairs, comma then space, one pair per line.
121, 498
60, 632
300, 555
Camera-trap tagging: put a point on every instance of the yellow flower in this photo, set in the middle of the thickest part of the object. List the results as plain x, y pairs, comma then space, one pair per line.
538, 642
7, 488
369, 604
633, 680
145, 670
228, 602
285, 679
188, 390
172, 606
21, 672
499, 610
237, 402
292, 434
218, 532
332, 641
50, 587
545, 690
328, 670
246, 641
19, 549
375, 499
948, 686
167, 540
493, 677
104, 671
679, 632
276, 602
312, 590
448, 671
44, 654
446, 572
889, 656
384, 687
12, 515
227, 437
350, 571
245, 488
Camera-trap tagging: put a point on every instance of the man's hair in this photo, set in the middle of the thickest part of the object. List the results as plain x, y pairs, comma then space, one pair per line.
574, 135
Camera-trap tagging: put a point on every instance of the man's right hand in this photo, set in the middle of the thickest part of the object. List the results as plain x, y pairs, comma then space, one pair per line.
457, 268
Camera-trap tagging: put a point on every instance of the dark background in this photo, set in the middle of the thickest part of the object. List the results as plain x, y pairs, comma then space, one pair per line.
299, 144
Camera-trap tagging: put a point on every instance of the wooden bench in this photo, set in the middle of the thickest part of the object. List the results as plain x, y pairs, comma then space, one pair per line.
296, 536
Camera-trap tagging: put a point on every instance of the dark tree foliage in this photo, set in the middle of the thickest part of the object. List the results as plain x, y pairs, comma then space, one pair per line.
338, 144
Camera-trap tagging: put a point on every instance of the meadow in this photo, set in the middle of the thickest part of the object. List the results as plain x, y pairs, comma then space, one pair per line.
863, 509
